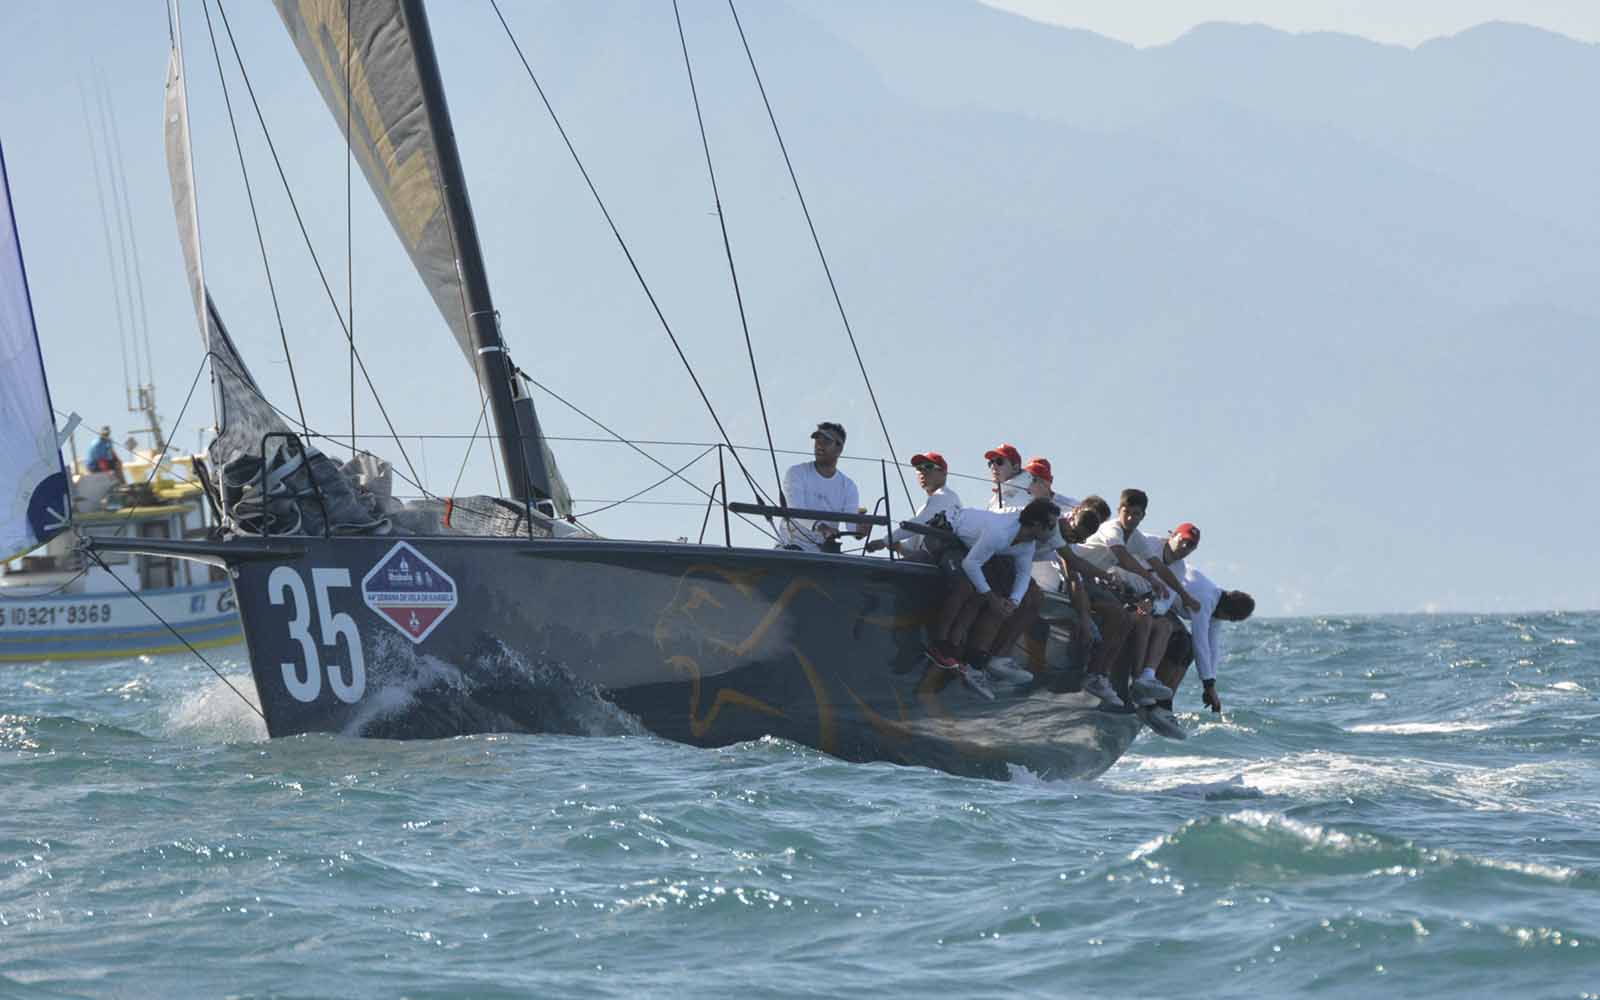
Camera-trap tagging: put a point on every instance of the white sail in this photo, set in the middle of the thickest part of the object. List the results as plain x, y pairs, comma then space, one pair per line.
244, 417
33, 484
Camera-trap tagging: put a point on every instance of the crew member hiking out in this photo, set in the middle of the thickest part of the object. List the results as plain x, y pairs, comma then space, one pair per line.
1000, 550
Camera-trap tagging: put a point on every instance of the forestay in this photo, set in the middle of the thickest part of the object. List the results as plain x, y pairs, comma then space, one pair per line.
33, 484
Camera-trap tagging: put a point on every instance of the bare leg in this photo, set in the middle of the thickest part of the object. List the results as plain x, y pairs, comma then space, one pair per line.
1026, 614
952, 616
1160, 632
1141, 643
1114, 625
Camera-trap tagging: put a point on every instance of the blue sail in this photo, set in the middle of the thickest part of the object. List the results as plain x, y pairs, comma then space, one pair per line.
34, 506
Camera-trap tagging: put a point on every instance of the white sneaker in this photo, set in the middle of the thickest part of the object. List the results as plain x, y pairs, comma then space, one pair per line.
1004, 670
1148, 690
975, 682
1099, 685
1163, 723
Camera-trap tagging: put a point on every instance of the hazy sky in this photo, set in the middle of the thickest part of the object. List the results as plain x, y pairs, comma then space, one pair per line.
1404, 22
873, 159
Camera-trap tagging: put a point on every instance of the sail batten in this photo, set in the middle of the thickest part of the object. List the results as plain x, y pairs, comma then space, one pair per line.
34, 505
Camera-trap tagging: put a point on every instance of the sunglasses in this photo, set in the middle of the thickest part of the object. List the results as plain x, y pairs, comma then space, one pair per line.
997, 461
929, 467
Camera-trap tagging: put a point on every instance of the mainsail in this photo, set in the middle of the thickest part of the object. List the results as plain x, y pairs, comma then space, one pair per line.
244, 417
33, 485
367, 70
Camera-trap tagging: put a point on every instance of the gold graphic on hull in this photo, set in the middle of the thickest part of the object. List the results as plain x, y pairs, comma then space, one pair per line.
700, 613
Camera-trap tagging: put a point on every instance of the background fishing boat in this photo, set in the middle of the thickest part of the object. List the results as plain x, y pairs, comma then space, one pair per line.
57, 605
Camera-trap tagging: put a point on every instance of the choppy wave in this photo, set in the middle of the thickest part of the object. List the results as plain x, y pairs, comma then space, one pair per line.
1389, 805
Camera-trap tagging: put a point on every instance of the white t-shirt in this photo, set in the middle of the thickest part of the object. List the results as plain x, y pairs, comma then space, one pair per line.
990, 535
1011, 495
808, 489
1046, 551
1207, 633
1097, 549
941, 501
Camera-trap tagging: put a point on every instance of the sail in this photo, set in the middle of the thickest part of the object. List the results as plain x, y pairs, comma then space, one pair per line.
387, 125
33, 485
244, 417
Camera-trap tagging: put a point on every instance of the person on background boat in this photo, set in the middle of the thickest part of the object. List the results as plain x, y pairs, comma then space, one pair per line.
103, 455
1216, 606
818, 485
1010, 490
932, 473
1000, 550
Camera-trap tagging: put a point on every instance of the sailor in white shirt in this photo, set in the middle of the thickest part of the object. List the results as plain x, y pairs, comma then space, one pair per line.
932, 471
1215, 607
818, 485
1047, 572
990, 536
1010, 489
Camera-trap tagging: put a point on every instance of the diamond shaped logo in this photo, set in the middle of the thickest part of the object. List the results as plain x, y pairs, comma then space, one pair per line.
409, 591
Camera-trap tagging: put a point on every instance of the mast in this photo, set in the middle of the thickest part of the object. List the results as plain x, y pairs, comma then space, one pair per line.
526, 474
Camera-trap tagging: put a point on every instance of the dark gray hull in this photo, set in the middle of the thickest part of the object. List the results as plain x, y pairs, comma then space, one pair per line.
705, 645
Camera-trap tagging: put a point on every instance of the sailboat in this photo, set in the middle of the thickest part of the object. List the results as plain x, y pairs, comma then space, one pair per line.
352, 601
54, 603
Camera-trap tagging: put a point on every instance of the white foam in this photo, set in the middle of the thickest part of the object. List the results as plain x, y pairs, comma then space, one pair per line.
216, 711
1421, 728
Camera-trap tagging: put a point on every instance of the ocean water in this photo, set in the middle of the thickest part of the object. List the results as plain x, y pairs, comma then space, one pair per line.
1395, 805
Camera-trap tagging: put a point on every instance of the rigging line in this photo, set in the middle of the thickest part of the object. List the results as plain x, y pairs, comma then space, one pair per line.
349, 228
155, 464
227, 365
272, 289
133, 243
157, 615
462, 471
727, 248
637, 273
815, 239
306, 236
665, 479
692, 485
105, 232
122, 239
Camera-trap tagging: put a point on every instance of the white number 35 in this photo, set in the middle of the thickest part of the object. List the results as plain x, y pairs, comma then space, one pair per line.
306, 684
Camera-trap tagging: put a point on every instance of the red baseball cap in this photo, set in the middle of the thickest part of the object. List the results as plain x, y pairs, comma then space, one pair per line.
1008, 452
1040, 467
923, 458
1188, 531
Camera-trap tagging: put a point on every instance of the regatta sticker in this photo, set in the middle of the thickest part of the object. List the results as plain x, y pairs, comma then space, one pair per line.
408, 590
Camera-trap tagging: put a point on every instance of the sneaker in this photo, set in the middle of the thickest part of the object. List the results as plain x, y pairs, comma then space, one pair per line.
942, 659
1163, 723
975, 681
1148, 689
1004, 670
1099, 685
